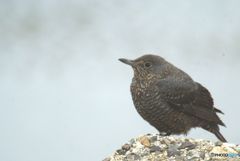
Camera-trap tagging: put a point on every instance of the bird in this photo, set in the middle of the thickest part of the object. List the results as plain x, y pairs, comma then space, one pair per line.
169, 99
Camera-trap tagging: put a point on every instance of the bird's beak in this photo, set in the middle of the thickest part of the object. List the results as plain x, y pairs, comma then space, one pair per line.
126, 61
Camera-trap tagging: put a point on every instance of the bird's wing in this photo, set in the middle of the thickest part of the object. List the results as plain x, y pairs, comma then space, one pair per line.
189, 97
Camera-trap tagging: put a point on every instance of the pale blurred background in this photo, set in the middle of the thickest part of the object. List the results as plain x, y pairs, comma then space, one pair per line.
65, 96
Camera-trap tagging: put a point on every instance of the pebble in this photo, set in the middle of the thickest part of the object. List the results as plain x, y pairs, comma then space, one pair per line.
132, 156
107, 159
126, 147
179, 158
172, 150
167, 142
145, 141
121, 152
237, 149
153, 139
202, 154
154, 148
193, 155
132, 141
187, 145
218, 143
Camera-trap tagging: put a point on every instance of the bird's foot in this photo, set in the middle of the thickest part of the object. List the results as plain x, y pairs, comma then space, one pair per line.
164, 133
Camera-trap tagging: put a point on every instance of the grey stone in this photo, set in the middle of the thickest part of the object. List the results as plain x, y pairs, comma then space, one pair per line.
166, 141
154, 148
144, 152
193, 155
107, 159
126, 147
121, 152
153, 139
202, 154
172, 150
179, 158
133, 156
187, 145
218, 143
132, 141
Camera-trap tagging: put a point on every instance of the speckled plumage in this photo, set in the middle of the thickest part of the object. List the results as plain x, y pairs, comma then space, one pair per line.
169, 99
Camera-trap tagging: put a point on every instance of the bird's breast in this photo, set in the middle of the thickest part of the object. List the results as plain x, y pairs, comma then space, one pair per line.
146, 100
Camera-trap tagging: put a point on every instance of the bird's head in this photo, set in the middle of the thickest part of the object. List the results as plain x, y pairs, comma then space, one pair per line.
147, 66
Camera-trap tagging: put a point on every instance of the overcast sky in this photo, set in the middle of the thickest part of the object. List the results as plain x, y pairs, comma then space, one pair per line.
65, 96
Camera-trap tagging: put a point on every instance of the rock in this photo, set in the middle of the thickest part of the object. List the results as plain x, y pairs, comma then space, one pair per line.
145, 141
154, 148
132, 141
166, 141
132, 156
121, 152
126, 147
193, 155
202, 154
173, 150
179, 158
107, 159
237, 148
187, 145
153, 139
218, 143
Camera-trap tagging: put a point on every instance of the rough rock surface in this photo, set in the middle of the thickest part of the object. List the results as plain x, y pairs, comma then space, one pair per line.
152, 147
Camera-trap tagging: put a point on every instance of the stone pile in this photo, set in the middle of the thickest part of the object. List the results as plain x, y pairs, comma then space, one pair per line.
153, 147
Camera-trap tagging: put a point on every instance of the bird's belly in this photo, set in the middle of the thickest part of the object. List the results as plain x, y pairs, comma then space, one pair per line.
159, 114
151, 109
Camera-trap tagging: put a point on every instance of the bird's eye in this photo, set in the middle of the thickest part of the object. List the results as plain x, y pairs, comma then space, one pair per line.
147, 65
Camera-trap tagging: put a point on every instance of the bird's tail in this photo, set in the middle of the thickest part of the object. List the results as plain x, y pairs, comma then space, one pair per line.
215, 130
219, 135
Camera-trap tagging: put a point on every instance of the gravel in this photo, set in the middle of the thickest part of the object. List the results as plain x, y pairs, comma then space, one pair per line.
153, 147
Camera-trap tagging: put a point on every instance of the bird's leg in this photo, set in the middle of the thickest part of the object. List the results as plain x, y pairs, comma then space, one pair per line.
164, 133
168, 133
